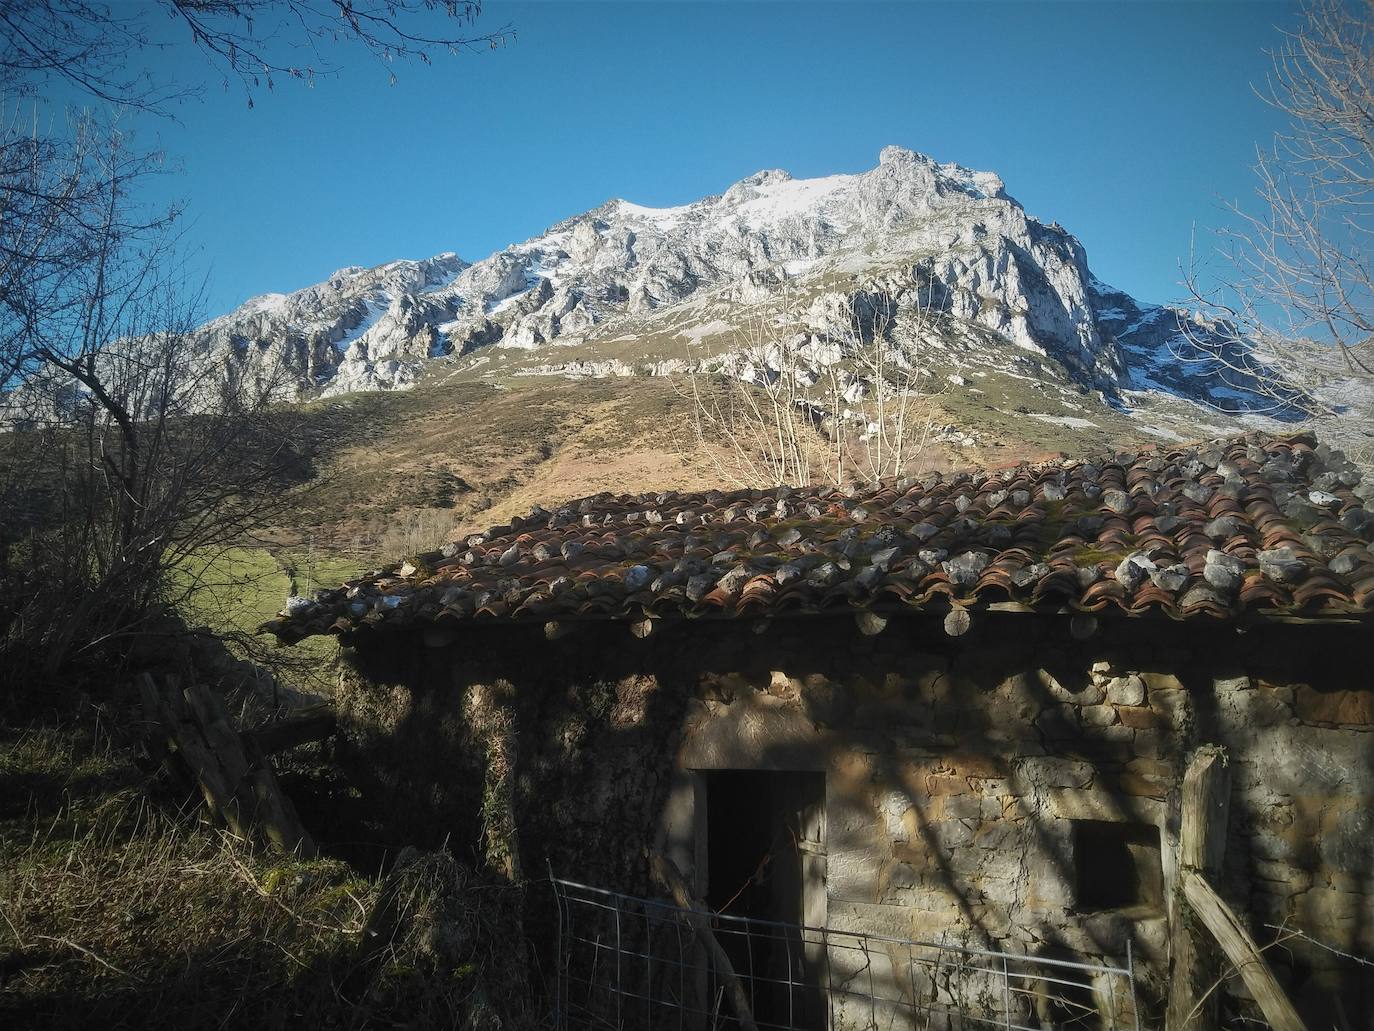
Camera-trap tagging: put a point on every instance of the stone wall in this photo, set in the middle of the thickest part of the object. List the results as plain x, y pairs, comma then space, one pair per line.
964, 777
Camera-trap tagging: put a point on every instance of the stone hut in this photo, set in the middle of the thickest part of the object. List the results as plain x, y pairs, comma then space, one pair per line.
954, 710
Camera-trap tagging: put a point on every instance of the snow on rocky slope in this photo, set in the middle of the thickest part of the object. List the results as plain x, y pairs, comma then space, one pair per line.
360, 329
1010, 292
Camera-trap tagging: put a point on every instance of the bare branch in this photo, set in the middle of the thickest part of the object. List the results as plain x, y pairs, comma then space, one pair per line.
106, 51
788, 404
1299, 287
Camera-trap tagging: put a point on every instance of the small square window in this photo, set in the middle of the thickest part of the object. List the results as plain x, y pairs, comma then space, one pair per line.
1117, 866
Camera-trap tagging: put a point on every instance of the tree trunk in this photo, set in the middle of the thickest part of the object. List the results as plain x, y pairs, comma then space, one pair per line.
665, 874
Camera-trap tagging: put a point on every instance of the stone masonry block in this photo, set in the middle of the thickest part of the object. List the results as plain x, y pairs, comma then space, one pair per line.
1161, 682
1098, 715
945, 784
1348, 708
1127, 690
1141, 717
1050, 772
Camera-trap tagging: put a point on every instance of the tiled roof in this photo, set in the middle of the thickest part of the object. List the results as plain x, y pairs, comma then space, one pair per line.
1248, 528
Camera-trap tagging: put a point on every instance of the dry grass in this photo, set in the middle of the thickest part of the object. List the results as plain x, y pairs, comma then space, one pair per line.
118, 910
508, 445
397, 473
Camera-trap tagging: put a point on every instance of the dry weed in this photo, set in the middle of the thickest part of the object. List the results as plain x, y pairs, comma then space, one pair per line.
120, 911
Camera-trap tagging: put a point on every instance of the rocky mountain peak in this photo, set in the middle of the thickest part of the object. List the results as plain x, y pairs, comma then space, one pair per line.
924, 171
748, 186
955, 255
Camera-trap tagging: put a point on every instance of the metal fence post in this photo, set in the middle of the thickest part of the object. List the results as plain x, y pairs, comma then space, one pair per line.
619, 985
648, 968
1006, 991
560, 958
829, 979
911, 978
1130, 976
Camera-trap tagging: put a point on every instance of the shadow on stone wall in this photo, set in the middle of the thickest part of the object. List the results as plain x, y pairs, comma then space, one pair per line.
957, 765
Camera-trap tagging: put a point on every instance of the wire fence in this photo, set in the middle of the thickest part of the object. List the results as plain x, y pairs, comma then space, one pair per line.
627, 963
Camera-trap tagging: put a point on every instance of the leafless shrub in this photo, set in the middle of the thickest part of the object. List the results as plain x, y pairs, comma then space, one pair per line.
128, 451
890, 424
851, 402
753, 418
411, 533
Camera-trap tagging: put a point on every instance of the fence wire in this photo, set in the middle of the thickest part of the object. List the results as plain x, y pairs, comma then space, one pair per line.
627, 963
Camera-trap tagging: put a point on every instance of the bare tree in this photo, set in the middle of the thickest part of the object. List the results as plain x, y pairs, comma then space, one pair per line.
1293, 316
852, 401
890, 398
61, 175
75, 264
127, 450
752, 417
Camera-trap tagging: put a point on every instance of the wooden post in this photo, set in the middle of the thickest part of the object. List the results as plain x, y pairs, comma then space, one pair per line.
666, 874
311, 725
1206, 808
1201, 849
958, 622
869, 622
231, 769
1201, 846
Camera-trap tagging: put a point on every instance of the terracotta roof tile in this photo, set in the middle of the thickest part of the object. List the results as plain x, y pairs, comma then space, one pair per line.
1053, 537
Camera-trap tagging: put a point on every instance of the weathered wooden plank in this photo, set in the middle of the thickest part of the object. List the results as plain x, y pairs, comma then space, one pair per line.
259, 799
273, 809
231, 770
220, 736
1242, 951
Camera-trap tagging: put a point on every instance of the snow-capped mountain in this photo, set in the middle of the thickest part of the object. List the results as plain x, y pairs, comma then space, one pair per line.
1009, 290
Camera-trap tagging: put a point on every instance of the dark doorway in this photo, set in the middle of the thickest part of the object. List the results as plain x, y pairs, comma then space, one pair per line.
765, 863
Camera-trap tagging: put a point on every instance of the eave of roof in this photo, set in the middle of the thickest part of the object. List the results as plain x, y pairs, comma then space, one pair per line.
1249, 529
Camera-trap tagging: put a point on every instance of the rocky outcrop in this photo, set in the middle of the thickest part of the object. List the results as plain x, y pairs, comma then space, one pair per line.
362, 329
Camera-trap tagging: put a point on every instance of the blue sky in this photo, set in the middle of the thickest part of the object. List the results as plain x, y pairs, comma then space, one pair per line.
1126, 123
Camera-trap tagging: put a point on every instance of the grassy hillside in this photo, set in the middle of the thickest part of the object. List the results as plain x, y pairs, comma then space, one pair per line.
399, 471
